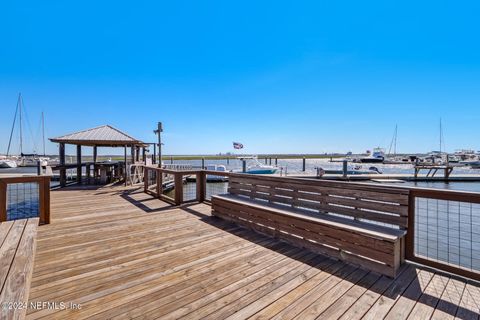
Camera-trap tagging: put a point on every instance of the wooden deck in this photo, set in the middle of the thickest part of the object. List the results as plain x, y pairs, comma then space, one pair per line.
115, 253
17, 250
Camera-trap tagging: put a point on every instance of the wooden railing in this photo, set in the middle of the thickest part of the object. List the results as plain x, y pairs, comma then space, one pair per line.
25, 195
443, 228
156, 180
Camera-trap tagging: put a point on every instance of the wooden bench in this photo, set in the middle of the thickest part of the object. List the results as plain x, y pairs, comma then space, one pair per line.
362, 224
17, 252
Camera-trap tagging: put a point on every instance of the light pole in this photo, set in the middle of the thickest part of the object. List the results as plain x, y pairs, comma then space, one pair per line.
159, 133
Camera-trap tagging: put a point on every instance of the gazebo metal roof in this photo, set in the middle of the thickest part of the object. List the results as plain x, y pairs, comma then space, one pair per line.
103, 136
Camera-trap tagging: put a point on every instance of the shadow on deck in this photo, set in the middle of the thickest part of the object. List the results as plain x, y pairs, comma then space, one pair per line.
119, 253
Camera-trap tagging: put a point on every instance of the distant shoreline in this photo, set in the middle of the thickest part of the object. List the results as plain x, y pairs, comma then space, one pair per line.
226, 156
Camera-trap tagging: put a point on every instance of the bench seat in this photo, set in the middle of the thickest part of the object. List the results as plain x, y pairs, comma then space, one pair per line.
371, 246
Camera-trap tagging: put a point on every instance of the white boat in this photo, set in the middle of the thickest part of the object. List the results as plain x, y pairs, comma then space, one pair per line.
474, 164
377, 156
216, 178
32, 160
7, 163
255, 167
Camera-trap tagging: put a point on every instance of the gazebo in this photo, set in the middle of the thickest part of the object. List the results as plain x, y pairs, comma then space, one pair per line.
103, 136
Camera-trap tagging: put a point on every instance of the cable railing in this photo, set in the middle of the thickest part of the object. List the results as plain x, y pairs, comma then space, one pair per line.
23, 197
444, 230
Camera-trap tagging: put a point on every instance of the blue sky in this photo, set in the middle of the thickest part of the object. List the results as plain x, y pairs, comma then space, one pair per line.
278, 76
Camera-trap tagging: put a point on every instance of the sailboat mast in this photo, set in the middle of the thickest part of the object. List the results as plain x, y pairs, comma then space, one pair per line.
20, 113
43, 133
395, 143
440, 135
13, 126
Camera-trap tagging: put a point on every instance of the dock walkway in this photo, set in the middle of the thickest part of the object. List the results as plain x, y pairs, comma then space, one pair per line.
118, 253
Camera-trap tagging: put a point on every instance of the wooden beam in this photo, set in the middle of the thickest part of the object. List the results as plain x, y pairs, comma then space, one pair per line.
125, 168
95, 174
3, 201
201, 186
79, 164
154, 158
159, 178
44, 198
178, 188
63, 171
94, 154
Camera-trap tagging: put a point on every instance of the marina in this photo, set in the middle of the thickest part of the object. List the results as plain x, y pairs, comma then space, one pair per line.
251, 160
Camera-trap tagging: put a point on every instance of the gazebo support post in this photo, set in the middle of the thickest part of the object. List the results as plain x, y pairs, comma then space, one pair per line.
63, 171
79, 164
125, 168
144, 158
94, 164
132, 151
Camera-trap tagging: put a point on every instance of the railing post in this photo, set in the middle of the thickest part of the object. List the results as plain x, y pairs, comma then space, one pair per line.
145, 179
45, 214
3, 201
201, 185
304, 164
410, 237
159, 179
178, 188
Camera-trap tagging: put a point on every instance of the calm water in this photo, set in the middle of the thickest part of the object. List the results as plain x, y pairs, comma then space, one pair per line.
294, 166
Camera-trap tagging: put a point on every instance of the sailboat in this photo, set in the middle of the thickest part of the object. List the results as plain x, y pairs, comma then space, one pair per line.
7, 163
25, 160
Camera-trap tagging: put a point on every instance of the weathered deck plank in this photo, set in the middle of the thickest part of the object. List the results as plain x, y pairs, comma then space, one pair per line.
17, 251
122, 255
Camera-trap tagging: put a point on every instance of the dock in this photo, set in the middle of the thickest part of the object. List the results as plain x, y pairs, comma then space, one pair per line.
119, 253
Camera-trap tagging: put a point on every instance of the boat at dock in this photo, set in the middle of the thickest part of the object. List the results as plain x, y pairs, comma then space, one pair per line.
213, 177
357, 170
24, 160
7, 163
474, 164
32, 160
255, 167
377, 156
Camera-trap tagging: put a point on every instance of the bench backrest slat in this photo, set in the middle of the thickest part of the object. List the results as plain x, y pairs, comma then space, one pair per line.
379, 204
